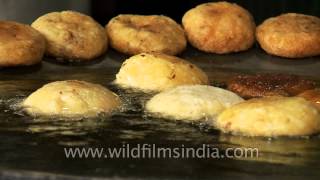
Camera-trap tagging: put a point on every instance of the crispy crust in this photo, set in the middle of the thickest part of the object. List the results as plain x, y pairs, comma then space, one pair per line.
71, 98
158, 72
261, 85
312, 95
290, 35
219, 27
271, 116
20, 44
134, 34
71, 35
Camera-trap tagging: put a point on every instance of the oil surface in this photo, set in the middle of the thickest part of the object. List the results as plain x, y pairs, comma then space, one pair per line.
36, 144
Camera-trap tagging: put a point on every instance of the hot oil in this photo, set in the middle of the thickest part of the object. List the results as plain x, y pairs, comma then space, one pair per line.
38, 143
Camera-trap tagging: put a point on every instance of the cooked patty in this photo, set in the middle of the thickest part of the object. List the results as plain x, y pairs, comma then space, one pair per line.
134, 34
20, 44
261, 85
290, 35
219, 27
72, 36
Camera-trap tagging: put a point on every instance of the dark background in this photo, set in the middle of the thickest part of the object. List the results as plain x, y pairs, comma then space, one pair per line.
26, 11
260, 9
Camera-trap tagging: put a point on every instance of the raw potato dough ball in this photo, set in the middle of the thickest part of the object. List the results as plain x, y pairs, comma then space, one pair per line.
20, 44
219, 27
290, 35
271, 116
312, 95
134, 34
158, 72
191, 102
71, 99
72, 36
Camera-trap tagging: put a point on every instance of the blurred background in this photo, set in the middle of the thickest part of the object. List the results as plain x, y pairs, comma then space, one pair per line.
102, 10
27, 11
260, 9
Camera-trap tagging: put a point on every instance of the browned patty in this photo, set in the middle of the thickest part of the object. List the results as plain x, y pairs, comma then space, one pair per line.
261, 85
290, 35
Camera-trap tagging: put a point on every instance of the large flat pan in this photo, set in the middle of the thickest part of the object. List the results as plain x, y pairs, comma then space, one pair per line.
33, 148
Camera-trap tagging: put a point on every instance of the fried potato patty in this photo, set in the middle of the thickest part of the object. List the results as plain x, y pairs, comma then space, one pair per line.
20, 44
71, 98
191, 103
72, 36
271, 116
219, 27
134, 34
158, 72
312, 95
261, 85
290, 35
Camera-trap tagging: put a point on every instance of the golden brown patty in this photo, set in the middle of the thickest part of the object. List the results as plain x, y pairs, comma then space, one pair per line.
72, 35
134, 34
20, 44
158, 72
312, 95
271, 116
261, 85
290, 35
219, 27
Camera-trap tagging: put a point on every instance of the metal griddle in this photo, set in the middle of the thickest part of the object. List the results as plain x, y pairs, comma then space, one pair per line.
33, 149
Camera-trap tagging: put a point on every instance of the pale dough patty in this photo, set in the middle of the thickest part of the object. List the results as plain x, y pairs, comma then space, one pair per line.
158, 72
20, 44
191, 103
71, 98
72, 36
219, 27
290, 35
271, 116
134, 34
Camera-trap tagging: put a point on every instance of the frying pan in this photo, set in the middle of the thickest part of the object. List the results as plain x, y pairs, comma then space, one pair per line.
32, 148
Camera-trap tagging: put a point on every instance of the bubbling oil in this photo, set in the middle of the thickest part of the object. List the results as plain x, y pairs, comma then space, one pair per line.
130, 124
